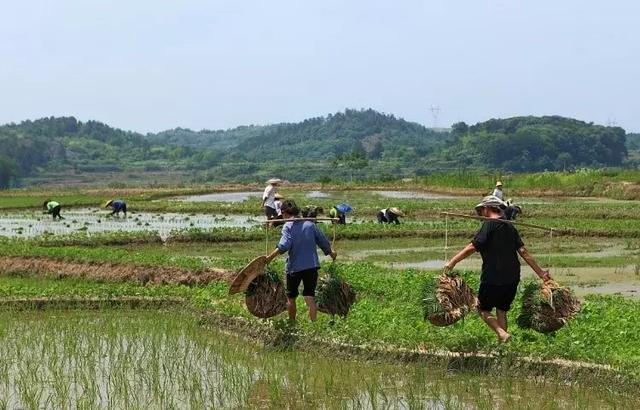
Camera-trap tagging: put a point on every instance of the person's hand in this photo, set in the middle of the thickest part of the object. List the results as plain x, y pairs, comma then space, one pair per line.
269, 259
448, 267
334, 254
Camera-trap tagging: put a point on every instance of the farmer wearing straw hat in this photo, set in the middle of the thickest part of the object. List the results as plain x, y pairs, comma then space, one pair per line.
499, 245
269, 197
497, 192
299, 239
118, 205
390, 215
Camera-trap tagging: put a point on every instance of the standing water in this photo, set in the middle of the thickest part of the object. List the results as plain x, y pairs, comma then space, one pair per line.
164, 359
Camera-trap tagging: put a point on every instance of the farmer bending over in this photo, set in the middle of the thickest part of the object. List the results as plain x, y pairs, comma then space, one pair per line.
300, 238
53, 208
390, 216
117, 205
499, 245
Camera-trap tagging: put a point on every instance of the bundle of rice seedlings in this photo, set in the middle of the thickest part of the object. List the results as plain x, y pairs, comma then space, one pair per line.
447, 299
334, 296
265, 297
546, 307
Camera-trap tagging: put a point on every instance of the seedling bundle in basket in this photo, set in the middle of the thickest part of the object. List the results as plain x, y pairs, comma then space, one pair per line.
265, 297
546, 307
334, 296
447, 299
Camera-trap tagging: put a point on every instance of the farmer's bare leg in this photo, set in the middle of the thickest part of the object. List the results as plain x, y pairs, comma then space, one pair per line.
493, 323
313, 309
291, 308
502, 319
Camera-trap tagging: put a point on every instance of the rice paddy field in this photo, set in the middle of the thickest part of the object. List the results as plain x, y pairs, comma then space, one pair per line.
71, 338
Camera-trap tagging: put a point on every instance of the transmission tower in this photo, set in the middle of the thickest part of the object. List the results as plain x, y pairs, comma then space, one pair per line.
435, 112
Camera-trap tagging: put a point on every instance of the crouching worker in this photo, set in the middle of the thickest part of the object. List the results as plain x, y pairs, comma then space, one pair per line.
118, 205
390, 216
499, 244
53, 208
299, 239
340, 212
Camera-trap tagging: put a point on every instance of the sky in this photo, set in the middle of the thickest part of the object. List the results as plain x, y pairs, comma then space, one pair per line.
151, 65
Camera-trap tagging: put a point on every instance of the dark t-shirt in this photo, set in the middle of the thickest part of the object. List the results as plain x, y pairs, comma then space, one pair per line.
498, 243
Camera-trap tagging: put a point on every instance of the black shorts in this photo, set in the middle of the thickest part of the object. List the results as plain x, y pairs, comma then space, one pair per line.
270, 212
309, 279
497, 296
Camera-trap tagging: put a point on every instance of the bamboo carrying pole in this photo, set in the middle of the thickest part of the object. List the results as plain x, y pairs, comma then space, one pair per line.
301, 219
483, 218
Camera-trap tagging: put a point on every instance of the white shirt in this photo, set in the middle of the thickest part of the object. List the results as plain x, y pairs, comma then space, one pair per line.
498, 192
269, 196
278, 206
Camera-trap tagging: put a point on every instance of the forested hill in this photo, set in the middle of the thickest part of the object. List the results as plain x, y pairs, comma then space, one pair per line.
537, 144
358, 144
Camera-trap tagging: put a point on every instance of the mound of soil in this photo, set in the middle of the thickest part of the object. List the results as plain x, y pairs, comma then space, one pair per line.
110, 272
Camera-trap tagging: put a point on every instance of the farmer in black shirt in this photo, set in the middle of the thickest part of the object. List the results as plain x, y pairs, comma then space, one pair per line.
499, 245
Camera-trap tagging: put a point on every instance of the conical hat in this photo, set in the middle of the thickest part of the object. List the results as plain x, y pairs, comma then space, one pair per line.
247, 274
108, 203
396, 211
274, 181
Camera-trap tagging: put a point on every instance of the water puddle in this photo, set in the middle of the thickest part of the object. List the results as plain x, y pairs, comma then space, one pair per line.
414, 195
32, 224
318, 194
222, 197
164, 359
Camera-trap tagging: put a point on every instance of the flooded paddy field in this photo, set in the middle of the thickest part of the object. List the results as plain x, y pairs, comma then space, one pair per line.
29, 224
165, 359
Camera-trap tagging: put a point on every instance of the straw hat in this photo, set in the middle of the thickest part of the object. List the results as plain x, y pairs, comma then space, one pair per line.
491, 201
396, 211
278, 196
274, 181
247, 274
108, 203
499, 183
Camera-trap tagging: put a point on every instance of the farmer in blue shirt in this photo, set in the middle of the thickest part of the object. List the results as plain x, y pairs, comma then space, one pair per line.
299, 239
117, 205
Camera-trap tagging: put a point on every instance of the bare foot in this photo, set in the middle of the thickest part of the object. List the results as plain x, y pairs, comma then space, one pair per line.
504, 337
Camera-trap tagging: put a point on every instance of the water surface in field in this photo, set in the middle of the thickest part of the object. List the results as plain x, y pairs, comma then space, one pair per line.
414, 195
164, 359
30, 224
222, 197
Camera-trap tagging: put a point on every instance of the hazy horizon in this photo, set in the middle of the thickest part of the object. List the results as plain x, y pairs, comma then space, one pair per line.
147, 67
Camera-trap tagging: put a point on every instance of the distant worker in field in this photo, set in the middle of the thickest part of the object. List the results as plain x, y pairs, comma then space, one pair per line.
299, 239
269, 198
340, 212
499, 245
53, 208
278, 203
497, 192
390, 215
118, 205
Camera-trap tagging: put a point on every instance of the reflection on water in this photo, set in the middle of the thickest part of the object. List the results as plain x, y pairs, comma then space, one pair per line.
31, 224
151, 359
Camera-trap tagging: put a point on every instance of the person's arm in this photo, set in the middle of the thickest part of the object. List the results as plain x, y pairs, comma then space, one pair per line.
323, 243
468, 250
283, 245
543, 274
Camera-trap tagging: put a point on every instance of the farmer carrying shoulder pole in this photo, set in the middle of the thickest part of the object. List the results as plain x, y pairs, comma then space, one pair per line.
269, 197
53, 208
299, 239
390, 215
118, 205
499, 244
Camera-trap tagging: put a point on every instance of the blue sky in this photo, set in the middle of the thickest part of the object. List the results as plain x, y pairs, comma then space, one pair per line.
153, 65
